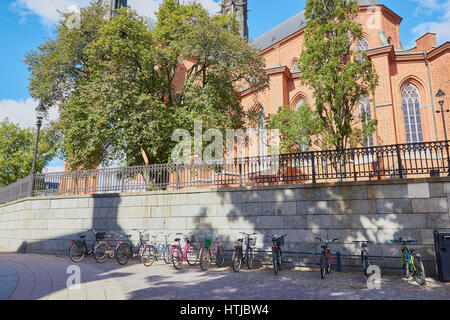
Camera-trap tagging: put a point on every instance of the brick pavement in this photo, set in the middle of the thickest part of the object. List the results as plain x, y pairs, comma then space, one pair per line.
44, 277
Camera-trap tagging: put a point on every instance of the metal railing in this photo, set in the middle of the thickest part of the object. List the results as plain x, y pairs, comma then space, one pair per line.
417, 160
15, 191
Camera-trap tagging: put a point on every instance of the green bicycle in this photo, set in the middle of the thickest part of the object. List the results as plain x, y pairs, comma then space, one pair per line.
412, 262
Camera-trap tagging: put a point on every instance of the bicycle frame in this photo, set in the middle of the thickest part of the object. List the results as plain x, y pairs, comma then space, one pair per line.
409, 256
183, 252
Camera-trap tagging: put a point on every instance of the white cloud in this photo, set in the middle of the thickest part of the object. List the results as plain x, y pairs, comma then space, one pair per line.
440, 10
23, 113
47, 10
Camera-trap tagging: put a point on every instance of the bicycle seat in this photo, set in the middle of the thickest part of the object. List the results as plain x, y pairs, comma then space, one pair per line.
240, 240
178, 239
83, 237
129, 235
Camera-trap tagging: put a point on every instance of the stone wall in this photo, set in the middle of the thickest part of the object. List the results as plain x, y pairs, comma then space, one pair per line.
377, 211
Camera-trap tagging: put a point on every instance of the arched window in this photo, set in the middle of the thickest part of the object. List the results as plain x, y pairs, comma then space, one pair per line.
411, 111
362, 45
366, 117
299, 104
294, 67
262, 136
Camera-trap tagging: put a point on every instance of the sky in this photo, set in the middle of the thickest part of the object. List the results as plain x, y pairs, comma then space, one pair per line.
25, 24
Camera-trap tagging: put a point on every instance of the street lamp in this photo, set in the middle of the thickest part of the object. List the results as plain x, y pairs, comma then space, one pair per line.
440, 95
40, 113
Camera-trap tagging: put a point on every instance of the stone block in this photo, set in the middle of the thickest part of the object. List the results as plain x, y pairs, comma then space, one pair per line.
228, 210
175, 224
388, 221
432, 205
285, 208
438, 221
269, 222
295, 222
418, 191
352, 206
160, 212
312, 207
394, 206
327, 221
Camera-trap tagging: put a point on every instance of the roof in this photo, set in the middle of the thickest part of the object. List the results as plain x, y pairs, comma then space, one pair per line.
291, 26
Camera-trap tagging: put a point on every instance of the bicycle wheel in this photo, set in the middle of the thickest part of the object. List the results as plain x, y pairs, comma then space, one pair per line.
192, 255
220, 257
101, 252
419, 273
123, 253
365, 265
205, 259
250, 257
237, 260
148, 256
77, 251
275, 263
280, 261
176, 258
406, 268
323, 266
167, 255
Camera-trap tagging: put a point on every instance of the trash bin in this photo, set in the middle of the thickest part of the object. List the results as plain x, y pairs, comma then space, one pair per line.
442, 246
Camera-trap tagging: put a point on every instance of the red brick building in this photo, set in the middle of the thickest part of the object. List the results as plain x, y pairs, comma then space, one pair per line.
404, 102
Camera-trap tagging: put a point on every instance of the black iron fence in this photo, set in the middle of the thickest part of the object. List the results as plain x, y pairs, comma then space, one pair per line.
428, 159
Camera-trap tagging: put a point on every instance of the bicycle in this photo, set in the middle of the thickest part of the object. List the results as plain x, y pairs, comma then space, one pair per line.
79, 248
188, 254
365, 262
143, 250
239, 256
411, 262
103, 250
163, 249
277, 254
325, 260
206, 253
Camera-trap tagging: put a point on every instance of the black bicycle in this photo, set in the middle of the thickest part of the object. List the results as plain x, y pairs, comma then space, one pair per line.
277, 254
143, 250
239, 256
325, 259
79, 248
365, 262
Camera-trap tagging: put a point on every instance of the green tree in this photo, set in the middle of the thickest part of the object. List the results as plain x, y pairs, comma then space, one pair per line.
17, 151
131, 87
338, 74
298, 128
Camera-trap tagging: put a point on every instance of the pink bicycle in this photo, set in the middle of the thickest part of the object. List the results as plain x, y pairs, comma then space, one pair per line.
206, 253
189, 253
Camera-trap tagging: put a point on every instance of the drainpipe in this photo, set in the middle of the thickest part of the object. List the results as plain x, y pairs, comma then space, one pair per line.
431, 95
375, 115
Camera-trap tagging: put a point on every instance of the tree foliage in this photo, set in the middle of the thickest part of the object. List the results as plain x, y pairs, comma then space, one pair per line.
298, 128
17, 151
329, 64
123, 89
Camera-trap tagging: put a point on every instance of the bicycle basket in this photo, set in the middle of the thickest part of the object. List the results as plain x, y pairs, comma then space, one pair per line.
207, 242
146, 237
191, 238
100, 236
252, 242
280, 241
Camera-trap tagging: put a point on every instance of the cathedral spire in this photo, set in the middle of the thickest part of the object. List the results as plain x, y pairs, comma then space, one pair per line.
240, 8
116, 5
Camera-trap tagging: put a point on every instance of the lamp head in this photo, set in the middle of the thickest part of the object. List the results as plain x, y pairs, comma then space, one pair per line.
40, 110
440, 94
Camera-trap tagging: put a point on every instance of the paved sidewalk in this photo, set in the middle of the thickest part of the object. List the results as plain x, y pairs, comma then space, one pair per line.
44, 277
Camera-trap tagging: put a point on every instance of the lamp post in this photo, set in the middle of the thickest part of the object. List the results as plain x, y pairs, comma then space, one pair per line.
440, 95
40, 112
